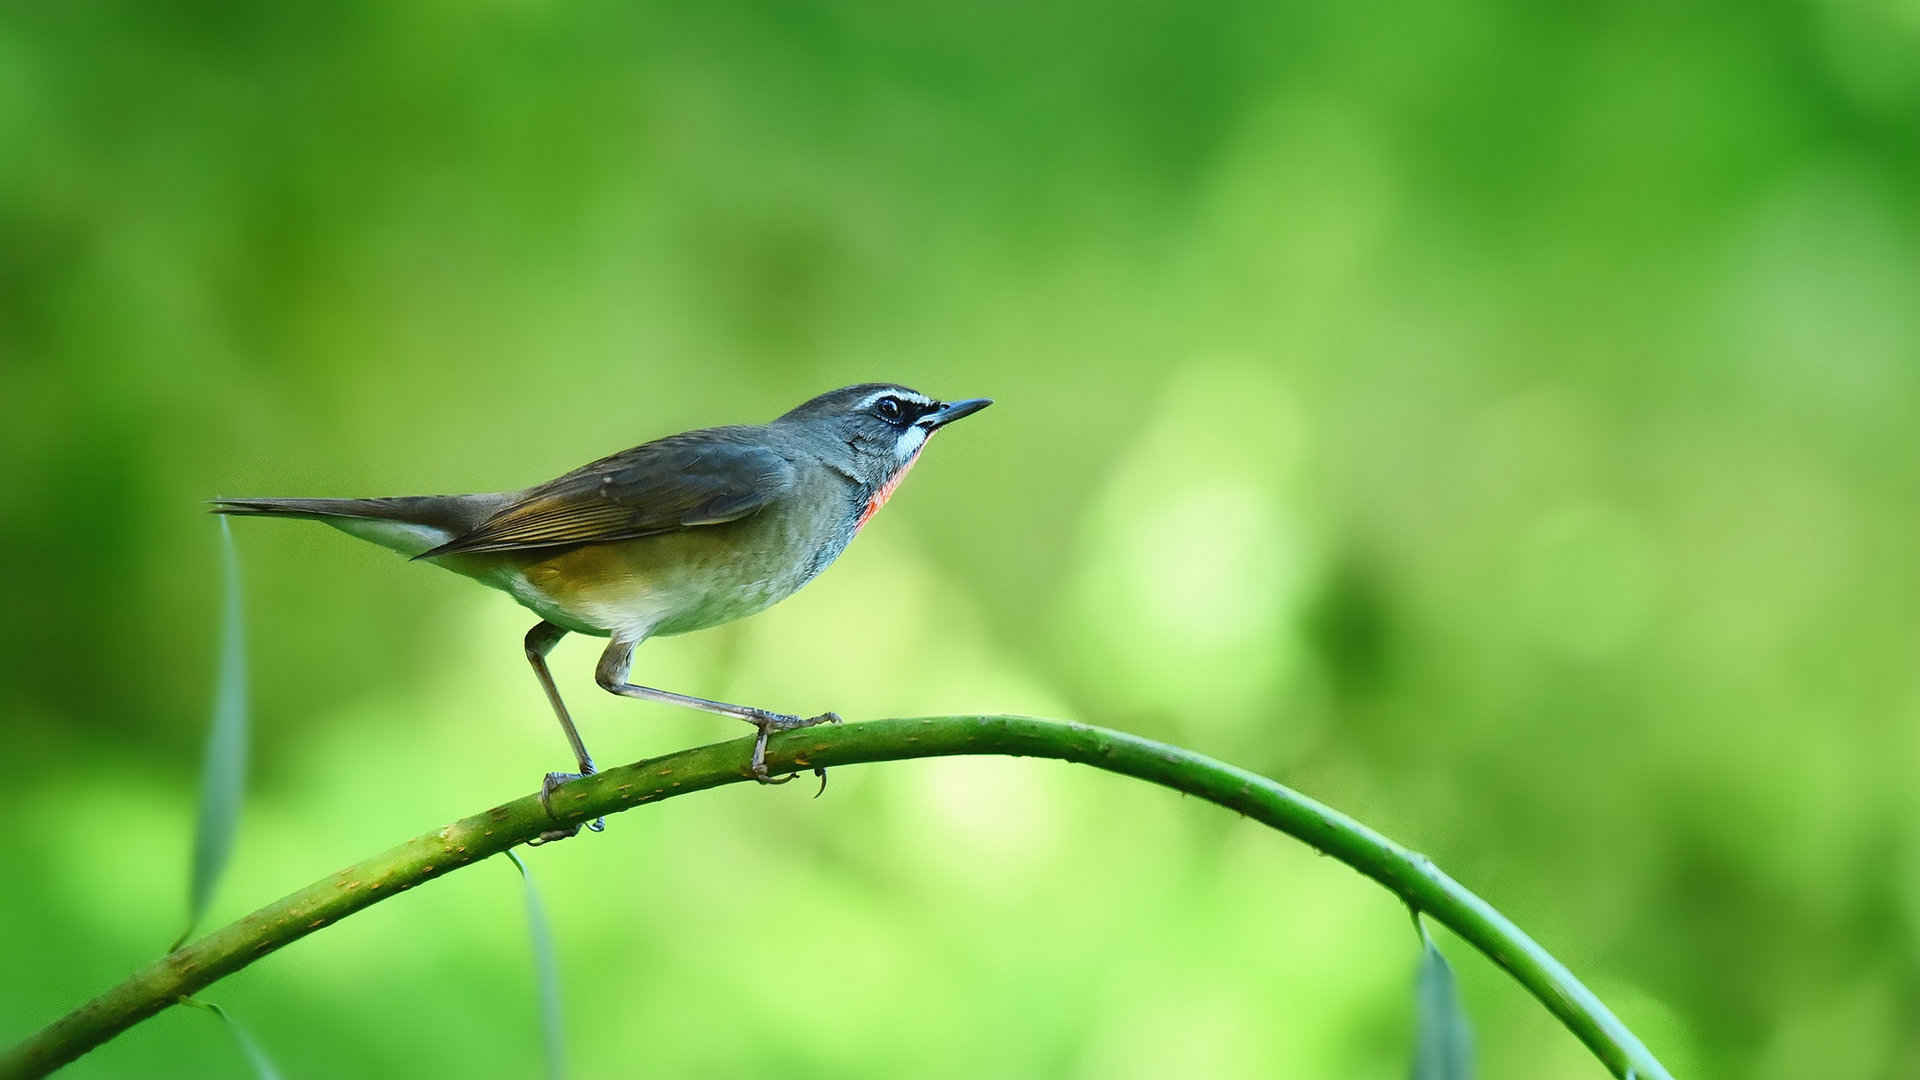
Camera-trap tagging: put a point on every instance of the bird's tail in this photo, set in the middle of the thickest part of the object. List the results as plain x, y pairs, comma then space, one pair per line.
409, 524
383, 509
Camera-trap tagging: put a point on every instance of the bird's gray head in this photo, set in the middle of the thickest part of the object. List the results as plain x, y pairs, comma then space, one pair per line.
876, 430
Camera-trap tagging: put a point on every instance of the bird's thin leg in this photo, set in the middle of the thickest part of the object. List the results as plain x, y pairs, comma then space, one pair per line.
617, 661
540, 641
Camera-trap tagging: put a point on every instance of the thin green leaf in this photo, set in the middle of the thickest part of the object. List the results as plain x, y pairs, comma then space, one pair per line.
223, 770
1443, 1042
262, 1067
546, 972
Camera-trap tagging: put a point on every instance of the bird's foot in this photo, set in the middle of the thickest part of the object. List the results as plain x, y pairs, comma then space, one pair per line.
768, 723
547, 787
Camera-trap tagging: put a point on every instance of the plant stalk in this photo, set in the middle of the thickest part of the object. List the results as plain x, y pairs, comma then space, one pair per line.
1411, 876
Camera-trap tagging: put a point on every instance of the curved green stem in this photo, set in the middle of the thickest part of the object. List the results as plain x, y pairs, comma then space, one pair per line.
1412, 877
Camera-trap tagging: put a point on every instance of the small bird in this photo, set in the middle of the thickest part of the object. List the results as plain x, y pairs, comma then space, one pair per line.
678, 534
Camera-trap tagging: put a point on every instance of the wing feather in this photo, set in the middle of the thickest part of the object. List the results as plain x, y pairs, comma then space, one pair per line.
705, 477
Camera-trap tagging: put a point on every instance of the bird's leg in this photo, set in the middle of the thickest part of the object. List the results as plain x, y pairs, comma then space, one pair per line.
540, 641
617, 661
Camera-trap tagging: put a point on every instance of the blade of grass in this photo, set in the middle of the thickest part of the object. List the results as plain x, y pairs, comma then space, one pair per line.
223, 769
546, 973
262, 1066
1443, 1040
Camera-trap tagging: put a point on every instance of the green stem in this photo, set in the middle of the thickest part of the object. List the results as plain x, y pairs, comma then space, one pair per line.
1412, 877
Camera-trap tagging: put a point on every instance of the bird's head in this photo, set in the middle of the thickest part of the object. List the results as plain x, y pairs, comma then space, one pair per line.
876, 430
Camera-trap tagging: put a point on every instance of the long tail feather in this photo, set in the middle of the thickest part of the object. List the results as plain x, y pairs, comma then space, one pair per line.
409, 524
309, 508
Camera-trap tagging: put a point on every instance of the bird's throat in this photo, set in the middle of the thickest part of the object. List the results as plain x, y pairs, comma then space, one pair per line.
879, 498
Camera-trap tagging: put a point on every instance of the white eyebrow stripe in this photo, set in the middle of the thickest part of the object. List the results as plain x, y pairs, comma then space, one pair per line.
900, 392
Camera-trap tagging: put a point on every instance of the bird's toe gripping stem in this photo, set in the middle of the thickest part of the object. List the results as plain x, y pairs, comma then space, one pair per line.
767, 724
550, 785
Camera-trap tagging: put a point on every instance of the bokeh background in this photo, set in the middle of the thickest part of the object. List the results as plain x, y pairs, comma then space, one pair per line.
1497, 420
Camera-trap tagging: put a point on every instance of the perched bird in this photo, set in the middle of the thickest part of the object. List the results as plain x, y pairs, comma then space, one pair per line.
678, 534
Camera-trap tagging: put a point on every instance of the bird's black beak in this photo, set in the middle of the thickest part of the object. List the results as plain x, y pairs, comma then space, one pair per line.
951, 411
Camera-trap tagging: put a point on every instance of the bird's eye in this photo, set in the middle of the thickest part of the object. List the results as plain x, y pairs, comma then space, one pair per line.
890, 409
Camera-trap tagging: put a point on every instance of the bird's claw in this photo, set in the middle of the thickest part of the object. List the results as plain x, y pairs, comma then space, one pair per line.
550, 785
772, 722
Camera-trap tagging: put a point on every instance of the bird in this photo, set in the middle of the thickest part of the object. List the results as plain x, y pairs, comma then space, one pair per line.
675, 535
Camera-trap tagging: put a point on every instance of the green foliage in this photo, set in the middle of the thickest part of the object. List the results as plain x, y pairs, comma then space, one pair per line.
256, 1057
1442, 1040
546, 971
223, 771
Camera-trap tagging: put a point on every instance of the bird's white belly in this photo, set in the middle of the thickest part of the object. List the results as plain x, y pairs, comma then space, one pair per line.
630, 611
667, 584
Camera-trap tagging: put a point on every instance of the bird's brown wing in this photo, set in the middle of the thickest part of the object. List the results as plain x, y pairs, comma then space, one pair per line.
700, 478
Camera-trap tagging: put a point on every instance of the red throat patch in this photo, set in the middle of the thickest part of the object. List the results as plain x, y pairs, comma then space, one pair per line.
879, 498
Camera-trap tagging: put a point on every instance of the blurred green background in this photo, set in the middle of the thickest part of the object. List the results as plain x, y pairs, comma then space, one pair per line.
1496, 420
